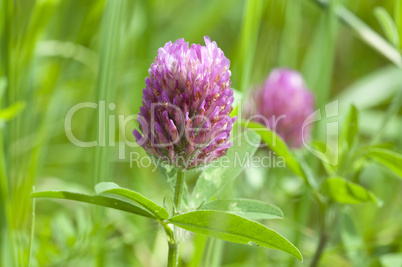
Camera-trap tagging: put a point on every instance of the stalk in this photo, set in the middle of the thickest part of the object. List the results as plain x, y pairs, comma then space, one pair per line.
322, 243
173, 256
330, 217
178, 191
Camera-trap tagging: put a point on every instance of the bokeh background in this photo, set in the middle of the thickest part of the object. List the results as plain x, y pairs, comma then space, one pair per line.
59, 53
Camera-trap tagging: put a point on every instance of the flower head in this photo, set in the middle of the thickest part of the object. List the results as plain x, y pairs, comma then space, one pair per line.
283, 103
186, 105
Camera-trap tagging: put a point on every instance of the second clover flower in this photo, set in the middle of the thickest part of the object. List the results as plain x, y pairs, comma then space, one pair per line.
186, 105
283, 103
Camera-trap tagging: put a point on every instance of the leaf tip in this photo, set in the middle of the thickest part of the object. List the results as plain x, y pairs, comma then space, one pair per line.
104, 186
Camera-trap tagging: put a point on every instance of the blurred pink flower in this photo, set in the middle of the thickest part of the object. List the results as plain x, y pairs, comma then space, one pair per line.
282, 104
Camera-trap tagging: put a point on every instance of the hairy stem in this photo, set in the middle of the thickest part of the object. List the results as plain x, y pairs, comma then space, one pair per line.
173, 256
178, 191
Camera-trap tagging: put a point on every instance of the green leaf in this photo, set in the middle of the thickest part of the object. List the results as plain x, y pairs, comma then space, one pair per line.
104, 201
325, 150
388, 158
226, 169
112, 189
11, 111
350, 127
387, 145
276, 144
233, 228
329, 159
248, 208
387, 25
345, 192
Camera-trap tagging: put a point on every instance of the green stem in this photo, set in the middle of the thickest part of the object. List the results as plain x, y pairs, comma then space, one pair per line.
309, 180
218, 251
199, 248
173, 256
178, 191
211, 246
328, 223
323, 241
320, 249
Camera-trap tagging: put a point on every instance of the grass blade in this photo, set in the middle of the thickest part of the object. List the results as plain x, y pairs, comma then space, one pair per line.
249, 36
387, 24
365, 33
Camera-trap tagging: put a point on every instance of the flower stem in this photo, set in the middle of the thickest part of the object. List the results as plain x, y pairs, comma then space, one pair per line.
178, 191
320, 249
323, 240
173, 256
329, 221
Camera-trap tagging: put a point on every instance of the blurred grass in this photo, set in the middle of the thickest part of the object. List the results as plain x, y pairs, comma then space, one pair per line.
105, 91
55, 54
248, 40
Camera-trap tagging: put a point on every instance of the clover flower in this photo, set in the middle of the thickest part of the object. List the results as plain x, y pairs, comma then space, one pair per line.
282, 104
186, 105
